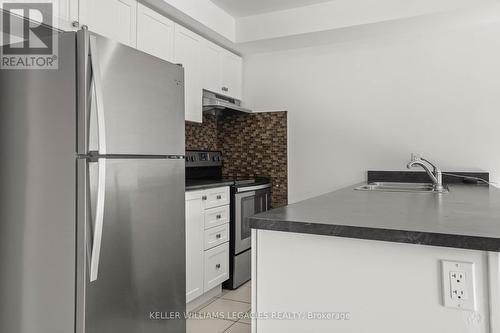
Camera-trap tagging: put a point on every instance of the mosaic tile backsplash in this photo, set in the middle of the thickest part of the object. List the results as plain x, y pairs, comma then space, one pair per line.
252, 145
202, 136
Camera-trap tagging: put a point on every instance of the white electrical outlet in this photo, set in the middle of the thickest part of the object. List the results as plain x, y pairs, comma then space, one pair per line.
458, 285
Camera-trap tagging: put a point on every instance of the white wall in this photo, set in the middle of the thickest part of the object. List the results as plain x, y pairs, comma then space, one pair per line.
369, 103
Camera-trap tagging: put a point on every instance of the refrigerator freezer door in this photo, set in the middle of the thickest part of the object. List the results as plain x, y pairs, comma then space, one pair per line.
141, 268
37, 196
131, 103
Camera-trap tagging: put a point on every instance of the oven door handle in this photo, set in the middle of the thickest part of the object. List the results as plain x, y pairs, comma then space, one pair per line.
252, 188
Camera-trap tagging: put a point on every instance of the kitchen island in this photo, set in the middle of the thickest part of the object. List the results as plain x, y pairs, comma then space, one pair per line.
371, 261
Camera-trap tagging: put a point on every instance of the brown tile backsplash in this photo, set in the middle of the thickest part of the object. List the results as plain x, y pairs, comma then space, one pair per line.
252, 145
256, 145
202, 136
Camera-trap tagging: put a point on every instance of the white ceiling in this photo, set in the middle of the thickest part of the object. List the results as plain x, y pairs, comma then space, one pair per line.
242, 8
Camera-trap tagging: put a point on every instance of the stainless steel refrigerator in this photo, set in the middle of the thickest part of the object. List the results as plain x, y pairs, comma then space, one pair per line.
92, 234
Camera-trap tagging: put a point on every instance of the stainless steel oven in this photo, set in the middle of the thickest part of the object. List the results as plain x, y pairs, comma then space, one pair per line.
246, 200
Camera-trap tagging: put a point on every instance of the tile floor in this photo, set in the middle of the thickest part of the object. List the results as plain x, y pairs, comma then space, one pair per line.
227, 304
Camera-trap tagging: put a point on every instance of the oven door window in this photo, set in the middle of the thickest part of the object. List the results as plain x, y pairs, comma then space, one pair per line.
250, 203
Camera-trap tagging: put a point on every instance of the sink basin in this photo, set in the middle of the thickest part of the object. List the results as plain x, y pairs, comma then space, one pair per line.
400, 187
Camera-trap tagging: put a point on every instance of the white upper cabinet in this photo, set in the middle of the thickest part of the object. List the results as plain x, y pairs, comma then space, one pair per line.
67, 15
221, 70
115, 19
155, 33
232, 75
206, 65
212, 66
188, 53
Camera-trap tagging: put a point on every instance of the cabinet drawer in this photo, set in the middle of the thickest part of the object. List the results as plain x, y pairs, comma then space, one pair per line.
216, 216
216, 266
217, 197
216, 236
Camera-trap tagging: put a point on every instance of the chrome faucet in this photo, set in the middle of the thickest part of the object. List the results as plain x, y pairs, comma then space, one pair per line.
435, 175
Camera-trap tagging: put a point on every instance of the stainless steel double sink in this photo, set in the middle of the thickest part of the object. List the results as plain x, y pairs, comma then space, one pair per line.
401, 187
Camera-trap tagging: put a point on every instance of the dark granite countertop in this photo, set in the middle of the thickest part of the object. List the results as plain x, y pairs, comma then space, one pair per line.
201, 184
468, 217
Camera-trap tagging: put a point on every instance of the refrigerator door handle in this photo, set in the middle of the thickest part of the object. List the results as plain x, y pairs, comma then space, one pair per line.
99, 219
96, 76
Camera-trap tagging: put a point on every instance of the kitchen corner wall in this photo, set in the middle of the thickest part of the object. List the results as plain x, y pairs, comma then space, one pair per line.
252, 145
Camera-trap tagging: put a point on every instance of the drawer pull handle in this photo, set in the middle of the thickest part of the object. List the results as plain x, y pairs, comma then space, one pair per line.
204, 197
218, 217
219, 197
218, 236
217, 266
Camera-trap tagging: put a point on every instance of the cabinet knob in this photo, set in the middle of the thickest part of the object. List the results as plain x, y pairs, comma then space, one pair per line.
75, 24
218, 236
204, 197
219, 197
217, 266
218, 216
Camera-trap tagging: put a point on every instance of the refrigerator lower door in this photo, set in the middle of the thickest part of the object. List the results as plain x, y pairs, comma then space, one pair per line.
130, 103
141, 241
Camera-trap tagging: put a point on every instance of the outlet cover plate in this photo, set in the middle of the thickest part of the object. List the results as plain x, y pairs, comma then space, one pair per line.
458, 279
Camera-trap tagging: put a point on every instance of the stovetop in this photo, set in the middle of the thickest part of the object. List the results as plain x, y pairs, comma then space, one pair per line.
204, 170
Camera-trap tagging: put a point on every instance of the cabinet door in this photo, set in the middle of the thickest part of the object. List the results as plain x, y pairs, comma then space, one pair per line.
188, 53
212, 67
67, 15
232, 68
194, 244
115, 19
216, 266
155, 33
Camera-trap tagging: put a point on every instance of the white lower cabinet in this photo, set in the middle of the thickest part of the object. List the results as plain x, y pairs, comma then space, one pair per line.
216, 266
216, 216
207, 240
217, 197
216, 236
194, 245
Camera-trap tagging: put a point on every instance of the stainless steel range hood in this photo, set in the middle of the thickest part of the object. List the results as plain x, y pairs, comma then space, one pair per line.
213, 102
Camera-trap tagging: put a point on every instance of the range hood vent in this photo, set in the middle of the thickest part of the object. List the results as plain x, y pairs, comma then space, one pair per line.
213, 102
